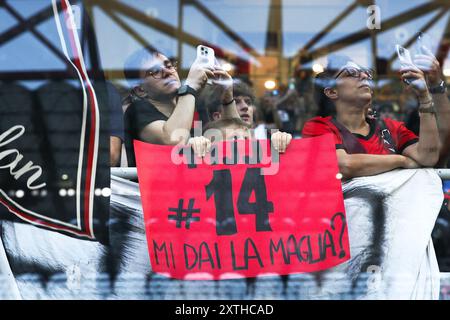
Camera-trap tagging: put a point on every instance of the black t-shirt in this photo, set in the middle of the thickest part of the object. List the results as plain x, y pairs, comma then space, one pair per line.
138, 115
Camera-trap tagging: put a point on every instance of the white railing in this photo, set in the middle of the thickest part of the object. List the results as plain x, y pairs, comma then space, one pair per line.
131, 173
125, 173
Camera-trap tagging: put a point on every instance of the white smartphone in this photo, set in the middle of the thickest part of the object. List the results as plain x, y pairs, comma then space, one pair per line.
205, 55
405, 59
403, 55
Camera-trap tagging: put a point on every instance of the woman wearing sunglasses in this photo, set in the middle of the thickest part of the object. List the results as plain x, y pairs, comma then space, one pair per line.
366, 146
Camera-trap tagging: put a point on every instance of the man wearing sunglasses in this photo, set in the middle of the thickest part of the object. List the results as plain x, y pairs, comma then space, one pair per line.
367, 147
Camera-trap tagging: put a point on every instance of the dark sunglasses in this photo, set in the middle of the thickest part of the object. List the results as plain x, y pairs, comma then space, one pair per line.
355, 72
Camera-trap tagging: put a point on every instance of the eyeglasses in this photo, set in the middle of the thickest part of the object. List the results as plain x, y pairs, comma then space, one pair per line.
157, 71
355, 72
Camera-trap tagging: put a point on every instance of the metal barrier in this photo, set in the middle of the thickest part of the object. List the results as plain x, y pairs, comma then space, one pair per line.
124, 173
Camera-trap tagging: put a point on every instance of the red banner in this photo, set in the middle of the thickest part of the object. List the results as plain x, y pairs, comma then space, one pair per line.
242, 211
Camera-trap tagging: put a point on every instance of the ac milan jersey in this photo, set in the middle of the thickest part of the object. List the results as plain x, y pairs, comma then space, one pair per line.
373, 143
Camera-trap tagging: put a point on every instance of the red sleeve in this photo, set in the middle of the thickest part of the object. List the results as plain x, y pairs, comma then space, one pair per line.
402, 136
319, 126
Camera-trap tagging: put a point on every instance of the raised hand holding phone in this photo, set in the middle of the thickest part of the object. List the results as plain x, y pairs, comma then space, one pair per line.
410, 73
202, 68
405, 60
205, 56
426, 61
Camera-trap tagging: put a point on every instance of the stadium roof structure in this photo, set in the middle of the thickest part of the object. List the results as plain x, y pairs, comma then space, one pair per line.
273, 19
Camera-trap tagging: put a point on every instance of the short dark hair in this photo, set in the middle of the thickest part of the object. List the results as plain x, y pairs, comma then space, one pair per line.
212, 96
326, 106
240, 88
136, 61
326, 79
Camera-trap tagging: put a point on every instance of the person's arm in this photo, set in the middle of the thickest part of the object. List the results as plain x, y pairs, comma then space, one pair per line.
356, 165
177, 127
229, 110
442, 105
426, 151
432, 69
289, 94
276, 116
115, 150
174, 130
359, 165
